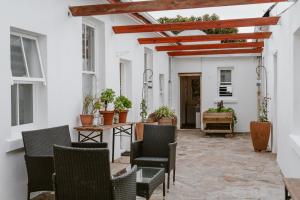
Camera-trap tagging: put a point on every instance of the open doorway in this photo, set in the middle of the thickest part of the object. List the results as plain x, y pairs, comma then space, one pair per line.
190, 100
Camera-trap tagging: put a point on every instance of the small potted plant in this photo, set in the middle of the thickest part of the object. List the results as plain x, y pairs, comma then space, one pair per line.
122, 104
107, 96
260, 130
165, 116
87, 116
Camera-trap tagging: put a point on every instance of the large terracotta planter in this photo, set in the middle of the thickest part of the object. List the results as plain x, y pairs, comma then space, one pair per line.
86, 120
108, 117
123, 116
260, 134
167, 121
139, 129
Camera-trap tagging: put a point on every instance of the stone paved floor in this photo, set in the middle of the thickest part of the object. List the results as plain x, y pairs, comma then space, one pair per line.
218, 168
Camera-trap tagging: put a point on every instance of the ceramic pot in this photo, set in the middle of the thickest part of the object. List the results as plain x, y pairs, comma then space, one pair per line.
108, 117
260, 134
86, 120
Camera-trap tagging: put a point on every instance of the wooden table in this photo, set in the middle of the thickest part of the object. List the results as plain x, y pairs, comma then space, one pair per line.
292, 188
97, 132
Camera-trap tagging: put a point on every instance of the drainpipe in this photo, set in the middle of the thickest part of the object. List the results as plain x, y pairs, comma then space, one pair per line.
170, 83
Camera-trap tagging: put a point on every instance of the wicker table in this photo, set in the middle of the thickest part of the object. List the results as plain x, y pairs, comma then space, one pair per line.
95, 132
148, 179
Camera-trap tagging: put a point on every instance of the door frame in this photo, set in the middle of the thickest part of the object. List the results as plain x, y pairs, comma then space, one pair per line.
190, 74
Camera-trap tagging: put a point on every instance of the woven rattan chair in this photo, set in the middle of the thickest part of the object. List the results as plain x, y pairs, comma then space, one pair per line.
158, 149
38, 146
84, 174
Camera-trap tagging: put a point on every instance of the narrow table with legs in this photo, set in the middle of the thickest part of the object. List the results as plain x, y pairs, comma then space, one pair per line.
95, 133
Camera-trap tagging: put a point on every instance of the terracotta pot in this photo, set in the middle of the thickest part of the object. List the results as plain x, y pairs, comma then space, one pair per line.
139, 129
86, 120
165, 121
108, 117
260, 134
123, 116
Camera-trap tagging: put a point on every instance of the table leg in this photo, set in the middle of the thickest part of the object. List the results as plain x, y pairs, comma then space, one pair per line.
78, 136
113, 146
101, 136
164, 188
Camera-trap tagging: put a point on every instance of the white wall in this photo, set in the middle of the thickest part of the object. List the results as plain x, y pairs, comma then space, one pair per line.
244, 84
63, 93
285, 43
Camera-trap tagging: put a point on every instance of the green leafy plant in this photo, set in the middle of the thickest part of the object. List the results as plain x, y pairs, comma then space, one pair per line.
164, 112
224, 109
87, 105
122, 103
97, 105
263, 110
143, 113
107, 96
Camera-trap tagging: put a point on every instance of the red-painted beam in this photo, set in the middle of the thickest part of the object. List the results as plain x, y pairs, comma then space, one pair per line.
200, 25
157, 5
211, 46
215, 52
202, 38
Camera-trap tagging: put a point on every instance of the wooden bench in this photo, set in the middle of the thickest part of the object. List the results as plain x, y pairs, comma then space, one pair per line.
292, 188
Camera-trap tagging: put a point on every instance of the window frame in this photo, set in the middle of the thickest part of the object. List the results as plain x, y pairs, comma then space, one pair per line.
85, 23
28, 79
231, 83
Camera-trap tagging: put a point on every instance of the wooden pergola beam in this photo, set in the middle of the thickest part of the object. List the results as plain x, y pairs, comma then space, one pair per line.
211, 46
202, 38
215, 52
157, 5
231, 23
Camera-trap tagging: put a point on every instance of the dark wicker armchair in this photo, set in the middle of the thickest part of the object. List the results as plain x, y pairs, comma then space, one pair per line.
158, 149
84, 174
38, 146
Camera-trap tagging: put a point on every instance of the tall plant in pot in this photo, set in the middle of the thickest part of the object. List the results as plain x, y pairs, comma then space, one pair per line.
122, 104
87, 116
107, 96
260, 130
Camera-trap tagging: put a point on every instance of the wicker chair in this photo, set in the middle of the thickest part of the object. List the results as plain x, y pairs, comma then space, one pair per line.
38, 146
158, 149
84, 174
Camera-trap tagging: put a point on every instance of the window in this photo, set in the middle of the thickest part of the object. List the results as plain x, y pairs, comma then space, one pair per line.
225, 83
88, 58
27, 71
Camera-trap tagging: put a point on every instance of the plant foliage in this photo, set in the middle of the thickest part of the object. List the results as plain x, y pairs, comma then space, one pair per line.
122, 103
263, 110
221, 109
107, 96
87, 105
164, 112
206, 17
143, 112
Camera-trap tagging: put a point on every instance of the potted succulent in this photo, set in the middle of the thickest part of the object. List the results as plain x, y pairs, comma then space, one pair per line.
87, 116
260, 130
122, 104
165, 116
107, 96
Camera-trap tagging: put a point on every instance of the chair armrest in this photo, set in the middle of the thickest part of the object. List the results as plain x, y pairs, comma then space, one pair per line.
39, 170
124, 186
89, 145
136, 150
172, 155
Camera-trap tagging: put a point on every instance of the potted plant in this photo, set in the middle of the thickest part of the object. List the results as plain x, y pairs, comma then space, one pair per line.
260, 130
122, 104
107, 96
87, 116
165, 116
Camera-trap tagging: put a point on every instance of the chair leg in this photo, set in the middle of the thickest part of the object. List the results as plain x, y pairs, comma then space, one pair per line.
28, 195
168, 180
174, 173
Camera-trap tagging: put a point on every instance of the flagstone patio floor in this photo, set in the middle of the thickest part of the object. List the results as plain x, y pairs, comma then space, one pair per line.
218, 168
